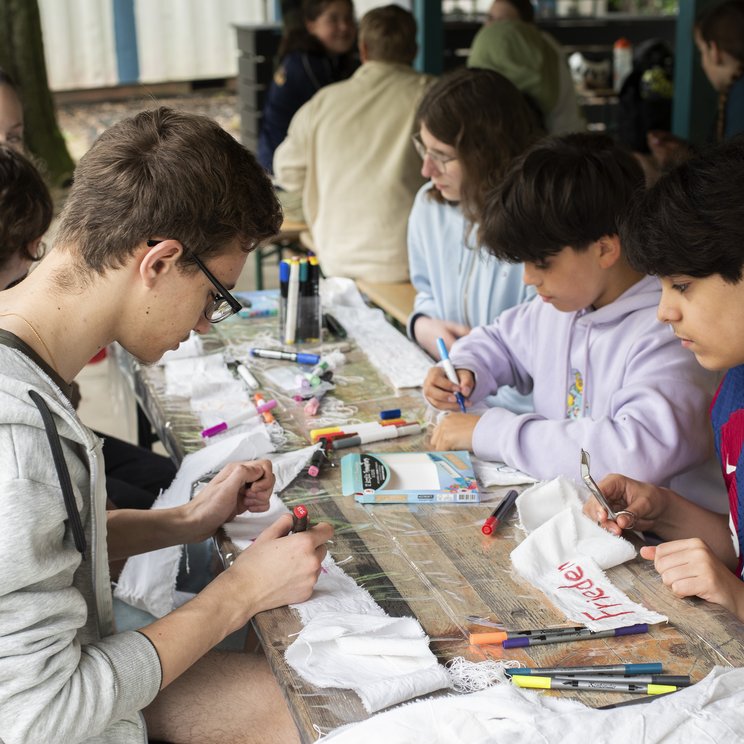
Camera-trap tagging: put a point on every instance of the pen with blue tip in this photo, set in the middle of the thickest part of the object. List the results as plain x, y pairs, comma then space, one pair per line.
449, 370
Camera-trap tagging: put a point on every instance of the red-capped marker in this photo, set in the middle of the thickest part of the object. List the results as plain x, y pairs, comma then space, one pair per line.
499, 513
299, 518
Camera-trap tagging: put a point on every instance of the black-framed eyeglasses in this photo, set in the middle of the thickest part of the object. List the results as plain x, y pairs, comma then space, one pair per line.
223, 304
440, 161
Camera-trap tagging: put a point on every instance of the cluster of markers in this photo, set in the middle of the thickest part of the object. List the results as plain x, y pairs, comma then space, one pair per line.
646, 679
300, 316
390, 426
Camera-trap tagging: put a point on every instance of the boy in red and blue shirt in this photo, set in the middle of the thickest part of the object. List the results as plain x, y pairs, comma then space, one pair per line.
687, 230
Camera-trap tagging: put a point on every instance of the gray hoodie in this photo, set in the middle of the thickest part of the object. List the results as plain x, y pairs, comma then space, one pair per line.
65, 675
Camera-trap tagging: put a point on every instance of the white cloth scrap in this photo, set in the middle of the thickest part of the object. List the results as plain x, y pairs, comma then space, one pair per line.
191, 347
349, 641
498, 474
565, 553
183, 375
148, 581
399, 360
385, 660
710, 711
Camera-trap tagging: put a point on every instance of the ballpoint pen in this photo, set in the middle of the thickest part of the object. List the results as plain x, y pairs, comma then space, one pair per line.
449, 370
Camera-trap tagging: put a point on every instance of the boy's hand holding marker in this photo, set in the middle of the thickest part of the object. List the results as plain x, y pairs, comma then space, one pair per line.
440, 391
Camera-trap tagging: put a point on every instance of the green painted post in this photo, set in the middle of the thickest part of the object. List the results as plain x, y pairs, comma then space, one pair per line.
428, 15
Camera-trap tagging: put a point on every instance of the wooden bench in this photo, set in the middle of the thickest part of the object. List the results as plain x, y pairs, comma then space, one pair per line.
395, 300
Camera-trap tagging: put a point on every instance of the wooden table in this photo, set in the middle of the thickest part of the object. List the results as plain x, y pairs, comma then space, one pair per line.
432, 562
395, 299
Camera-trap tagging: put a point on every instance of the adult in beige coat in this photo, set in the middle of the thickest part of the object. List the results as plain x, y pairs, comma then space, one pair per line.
349, 152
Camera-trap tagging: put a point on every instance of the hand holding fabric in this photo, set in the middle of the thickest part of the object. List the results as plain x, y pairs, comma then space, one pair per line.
278, 568
238, 487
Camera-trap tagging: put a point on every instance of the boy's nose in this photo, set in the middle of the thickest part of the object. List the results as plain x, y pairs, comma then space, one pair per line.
530, 275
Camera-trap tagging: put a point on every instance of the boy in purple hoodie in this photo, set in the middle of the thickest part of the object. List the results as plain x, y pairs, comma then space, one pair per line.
605, 376
687, 230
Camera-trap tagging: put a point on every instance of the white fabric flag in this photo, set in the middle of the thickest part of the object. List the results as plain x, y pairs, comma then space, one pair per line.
565, 553
148, 581
710, 711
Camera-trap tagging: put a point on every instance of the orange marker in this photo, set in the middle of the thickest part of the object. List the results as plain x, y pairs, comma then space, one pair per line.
268, 417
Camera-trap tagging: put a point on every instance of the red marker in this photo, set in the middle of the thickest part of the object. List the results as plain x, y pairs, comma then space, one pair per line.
499, 513
299, 518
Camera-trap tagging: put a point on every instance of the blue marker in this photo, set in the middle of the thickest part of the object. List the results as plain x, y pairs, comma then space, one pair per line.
449, 370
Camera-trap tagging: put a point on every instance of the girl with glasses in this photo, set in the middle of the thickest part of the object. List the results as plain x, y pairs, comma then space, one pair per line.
471, 125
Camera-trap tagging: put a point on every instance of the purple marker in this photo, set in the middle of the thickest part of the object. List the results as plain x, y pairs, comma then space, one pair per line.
224, 425
579, 635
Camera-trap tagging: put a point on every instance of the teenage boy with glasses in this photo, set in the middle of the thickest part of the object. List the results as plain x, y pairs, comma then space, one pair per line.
65, 674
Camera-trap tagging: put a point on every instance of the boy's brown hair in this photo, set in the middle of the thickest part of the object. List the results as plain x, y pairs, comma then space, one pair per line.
389, 34
25, 206
166, 174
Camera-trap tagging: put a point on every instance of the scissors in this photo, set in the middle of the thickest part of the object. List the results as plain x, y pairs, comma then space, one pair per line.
594, 488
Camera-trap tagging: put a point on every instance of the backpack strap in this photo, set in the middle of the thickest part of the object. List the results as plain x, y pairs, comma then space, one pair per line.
63, 473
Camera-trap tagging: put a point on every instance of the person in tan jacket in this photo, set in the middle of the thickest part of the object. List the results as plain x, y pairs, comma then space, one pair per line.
349, 152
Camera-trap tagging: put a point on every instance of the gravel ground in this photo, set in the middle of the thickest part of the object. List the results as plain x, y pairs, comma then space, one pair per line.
81, 123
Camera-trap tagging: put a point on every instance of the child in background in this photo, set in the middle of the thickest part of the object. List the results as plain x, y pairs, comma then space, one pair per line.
687, 230
719, 37
471, 125
317, 54
605, 376
25, 214
566, 115
11, 113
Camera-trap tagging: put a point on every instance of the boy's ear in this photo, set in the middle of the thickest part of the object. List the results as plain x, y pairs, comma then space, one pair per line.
609, 250
158, 260
715, 53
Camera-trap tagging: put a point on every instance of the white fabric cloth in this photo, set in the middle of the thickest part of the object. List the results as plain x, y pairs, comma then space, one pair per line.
396, 358
498, 474
710, 712
148, 581
565, 553
385, 660
349, 641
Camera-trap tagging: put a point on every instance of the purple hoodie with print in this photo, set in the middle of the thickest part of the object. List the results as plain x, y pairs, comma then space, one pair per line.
614, 381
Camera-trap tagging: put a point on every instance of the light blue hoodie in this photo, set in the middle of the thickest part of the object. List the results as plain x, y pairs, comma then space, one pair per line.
613, 381
454, 279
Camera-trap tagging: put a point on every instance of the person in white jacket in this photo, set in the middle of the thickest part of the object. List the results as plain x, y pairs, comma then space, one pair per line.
163, 211
604, 374
349, 152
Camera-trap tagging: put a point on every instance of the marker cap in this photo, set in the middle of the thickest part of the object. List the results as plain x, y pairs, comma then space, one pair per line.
393, 413
488, 526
